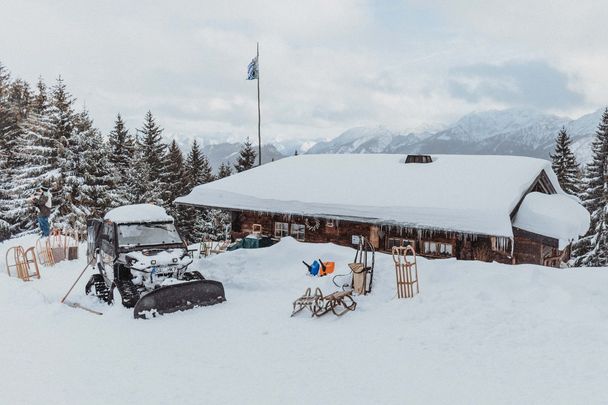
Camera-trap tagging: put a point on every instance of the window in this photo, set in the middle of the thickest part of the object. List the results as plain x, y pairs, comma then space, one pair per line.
147, 234
281, 229
397, 242
298, 231
437, 249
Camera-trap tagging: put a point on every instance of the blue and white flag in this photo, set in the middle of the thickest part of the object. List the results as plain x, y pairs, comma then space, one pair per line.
252, 69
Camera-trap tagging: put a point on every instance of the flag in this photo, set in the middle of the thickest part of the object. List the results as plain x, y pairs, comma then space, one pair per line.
252, 69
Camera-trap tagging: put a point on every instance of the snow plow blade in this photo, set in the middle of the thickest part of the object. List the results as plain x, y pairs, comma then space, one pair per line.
179, 297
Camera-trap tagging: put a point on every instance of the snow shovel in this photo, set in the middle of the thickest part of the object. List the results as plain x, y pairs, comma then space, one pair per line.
179, 297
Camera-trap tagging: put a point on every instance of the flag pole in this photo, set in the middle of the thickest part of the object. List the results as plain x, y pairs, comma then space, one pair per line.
259, 115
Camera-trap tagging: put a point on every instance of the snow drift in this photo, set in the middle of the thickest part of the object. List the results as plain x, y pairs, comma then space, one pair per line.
477, 333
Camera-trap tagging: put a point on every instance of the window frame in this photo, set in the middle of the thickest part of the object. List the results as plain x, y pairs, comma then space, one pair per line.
437, 249
300, 234
283, 231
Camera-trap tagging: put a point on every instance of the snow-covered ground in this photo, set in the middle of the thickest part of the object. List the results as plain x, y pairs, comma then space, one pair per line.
477, 333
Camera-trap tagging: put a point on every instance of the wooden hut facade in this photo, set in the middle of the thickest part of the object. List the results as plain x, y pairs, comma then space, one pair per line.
320, 204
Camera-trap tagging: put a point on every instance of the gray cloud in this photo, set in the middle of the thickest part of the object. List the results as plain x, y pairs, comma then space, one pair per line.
515, 83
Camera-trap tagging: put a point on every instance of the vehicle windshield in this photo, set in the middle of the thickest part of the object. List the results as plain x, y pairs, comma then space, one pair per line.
147, 234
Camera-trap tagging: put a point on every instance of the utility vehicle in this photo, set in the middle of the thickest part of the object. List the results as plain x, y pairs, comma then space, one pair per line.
139, 253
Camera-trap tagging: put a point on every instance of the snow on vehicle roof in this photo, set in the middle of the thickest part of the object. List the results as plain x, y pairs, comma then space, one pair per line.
558, 216
138, 213
472, 194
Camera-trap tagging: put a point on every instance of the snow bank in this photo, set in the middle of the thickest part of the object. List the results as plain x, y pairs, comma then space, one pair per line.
137, 213
478, 333
558, 216
474, 194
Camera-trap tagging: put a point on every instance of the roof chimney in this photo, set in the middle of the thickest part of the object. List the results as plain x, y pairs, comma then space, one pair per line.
418, 159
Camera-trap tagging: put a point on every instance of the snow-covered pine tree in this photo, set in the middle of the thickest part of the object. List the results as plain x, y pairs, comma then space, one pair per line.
211, 224
224, 170
121, 149
153, 152
136, 182
199, 172
176, 179
35, 149
64, 155
6, 169
592, 250
17, 105
564, 164
198, 167
96, 193
246, 158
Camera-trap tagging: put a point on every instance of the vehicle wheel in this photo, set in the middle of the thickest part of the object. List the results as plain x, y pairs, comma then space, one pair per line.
97, 286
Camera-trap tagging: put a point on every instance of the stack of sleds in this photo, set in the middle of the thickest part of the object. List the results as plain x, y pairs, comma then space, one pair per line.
24, 262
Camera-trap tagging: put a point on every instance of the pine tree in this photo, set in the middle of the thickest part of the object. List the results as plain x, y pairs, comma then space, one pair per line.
224, 171
35, 149
198, 172
592, 250
153, 152
198, 167
246, 158
176, 180
151, 143
564, 164
121, 146
121, 149
96, 192
13, 205
63, 155
137, 188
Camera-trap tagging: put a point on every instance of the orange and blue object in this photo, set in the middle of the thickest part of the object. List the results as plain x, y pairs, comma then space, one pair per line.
320, 268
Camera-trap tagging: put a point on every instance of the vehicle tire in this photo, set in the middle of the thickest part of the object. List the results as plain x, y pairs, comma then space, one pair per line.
97, 286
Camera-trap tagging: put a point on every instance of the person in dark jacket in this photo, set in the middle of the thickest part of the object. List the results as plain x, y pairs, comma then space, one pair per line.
42, 201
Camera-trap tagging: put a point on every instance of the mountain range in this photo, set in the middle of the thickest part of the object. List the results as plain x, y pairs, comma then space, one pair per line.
513, 131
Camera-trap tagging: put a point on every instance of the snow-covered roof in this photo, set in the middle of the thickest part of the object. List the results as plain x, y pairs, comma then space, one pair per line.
473, 194
557, 215
138, 213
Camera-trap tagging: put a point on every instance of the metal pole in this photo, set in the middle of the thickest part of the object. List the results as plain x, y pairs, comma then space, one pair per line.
259, 116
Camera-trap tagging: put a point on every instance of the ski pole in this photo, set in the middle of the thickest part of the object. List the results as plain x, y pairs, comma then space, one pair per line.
75, 282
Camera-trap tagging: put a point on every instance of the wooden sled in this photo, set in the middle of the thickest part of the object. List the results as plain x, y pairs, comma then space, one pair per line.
44, 252
23, 262
308, 300
406, 271
339, 302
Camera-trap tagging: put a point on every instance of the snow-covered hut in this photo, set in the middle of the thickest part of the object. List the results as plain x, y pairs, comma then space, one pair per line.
509, 209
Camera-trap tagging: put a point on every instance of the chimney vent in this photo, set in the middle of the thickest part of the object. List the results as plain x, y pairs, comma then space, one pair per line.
418, 159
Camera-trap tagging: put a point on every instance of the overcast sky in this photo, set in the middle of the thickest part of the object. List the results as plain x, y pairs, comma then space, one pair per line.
325, 65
